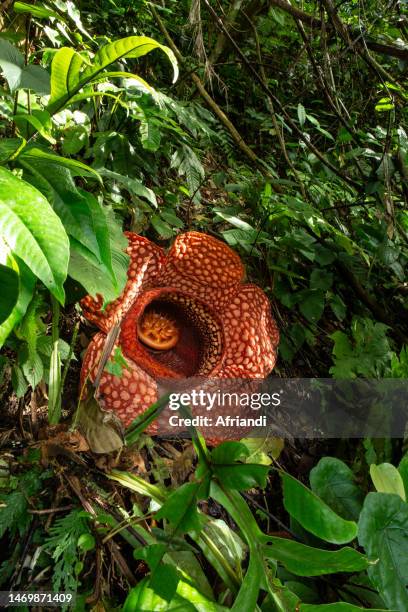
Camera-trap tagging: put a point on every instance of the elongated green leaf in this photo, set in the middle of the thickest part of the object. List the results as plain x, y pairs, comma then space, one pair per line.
76, 167
37, 10
383, 531
67, 79
65, 68
307, 561
313, 514
248, 593
334, 482
9, 284
301, 114
403, 470
34, 232
387, 479
25, 293
130, 47
340, 606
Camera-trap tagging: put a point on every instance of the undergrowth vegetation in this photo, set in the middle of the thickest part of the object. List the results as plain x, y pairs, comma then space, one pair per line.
279, 128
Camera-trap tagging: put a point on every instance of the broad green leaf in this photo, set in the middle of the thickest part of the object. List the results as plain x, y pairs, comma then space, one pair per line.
307, 561
34, 232
186, 599
228, 452
232, 475
241, 476
180, 508
313, 514
20, 76
383, 532
312, 304
164, 581
387, 479
334, 482
9, 283
11, 148
83, 217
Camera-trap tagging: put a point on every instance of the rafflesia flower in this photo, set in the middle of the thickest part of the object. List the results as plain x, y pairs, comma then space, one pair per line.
182, 314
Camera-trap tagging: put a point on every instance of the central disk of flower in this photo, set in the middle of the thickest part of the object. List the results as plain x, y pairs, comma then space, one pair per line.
158, 331
171, 334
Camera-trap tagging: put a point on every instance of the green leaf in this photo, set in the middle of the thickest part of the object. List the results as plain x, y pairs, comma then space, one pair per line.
387, 479
9, 283
75, 139
186, 599
403, 470
320, 279
86, 542
132, 185
11, 148
307, 561
65, 68
340, 606
313, 514
334, 482
130, 47
242, 476
91, 275
228, 452
338, 307
383, 531
232, 475
25, 292
81, 213
312, 304
76, 167
180, 508
37, 125
20, 76
34, 232
164, 581
301, 114
67, 78
37, 10
20, 385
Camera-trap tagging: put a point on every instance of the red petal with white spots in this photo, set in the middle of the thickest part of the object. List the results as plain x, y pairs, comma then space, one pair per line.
203, 266
128, 395
251, 335
146, 259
